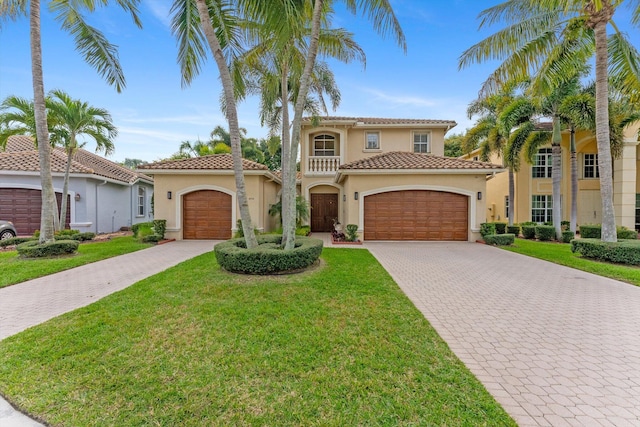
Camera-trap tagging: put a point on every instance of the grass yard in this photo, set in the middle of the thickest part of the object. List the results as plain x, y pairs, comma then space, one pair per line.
194, 346
560, 253
15, 270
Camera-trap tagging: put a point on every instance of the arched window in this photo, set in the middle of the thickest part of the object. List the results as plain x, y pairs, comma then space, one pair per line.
324, 145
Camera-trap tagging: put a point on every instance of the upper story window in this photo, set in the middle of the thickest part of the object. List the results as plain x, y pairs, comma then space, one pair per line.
590, 169
324, 145
142, 201
372, 141
542, 164
421, 141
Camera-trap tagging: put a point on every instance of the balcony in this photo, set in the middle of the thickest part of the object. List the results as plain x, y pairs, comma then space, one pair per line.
323, 165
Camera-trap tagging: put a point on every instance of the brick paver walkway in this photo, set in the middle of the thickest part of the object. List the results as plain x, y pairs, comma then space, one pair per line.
555, 346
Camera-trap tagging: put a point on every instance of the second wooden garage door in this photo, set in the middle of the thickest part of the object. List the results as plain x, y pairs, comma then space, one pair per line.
206, 215
416, 215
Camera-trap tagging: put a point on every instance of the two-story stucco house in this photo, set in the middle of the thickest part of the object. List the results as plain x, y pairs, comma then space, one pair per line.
388, 176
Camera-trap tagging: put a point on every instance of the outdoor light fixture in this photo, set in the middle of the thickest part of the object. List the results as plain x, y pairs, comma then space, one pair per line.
169, 195
479, 195
344, 197
77, 197
355, 196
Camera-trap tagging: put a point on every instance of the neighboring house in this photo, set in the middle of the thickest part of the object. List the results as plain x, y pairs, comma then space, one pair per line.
388, 176
103, 196
533, 186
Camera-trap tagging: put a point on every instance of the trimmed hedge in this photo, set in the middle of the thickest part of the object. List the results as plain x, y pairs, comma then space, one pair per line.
160, 227
499, 239
620, 252
268, 257
33, 249
529, 231
514, 229
545, 232
501, 227
15, 241
82, 237
594, 231
136, 227
487, 228
567, 236
151, 238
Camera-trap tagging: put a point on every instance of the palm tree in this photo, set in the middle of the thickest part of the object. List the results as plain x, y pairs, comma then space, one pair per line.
72, 118
98, 52
548, 39
17, 117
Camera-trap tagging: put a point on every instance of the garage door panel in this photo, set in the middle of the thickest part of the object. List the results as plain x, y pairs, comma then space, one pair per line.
207, 215
23, 206
416, 215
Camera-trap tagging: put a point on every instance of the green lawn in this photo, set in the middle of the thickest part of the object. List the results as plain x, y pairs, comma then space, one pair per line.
340, 345
560, 253
15, 270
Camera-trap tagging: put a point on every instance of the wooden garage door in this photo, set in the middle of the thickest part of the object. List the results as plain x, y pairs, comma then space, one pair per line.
22, 206
206, 215
416, 215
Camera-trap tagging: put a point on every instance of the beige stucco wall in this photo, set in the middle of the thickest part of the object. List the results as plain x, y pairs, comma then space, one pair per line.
260, 190
470, 185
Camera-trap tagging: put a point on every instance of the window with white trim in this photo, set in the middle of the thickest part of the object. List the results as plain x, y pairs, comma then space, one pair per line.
542, 164
421, 142
542, 208
372, 140
590, 166
324, 145
142, 201
506, 206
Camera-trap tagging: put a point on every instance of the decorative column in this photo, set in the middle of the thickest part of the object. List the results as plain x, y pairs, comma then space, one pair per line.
624, 184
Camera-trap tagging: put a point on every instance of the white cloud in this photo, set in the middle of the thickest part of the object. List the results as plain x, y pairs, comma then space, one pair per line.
402, 100
160, 9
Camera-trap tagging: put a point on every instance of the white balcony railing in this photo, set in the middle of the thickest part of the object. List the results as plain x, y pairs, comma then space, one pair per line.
323, 165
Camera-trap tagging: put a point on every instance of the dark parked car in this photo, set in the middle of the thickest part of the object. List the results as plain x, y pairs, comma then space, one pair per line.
7, 230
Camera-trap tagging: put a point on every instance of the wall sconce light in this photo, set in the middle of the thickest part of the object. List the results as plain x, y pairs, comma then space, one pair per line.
77, 197
479, 195
169, 195
344, 197
355, 196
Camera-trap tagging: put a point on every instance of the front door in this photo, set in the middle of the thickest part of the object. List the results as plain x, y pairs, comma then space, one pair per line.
324, 210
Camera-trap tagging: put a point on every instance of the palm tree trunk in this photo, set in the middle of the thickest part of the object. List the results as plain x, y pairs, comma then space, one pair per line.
47, 212
288, 197
574, 183
556, 170
232, 118
605, 163
65, 187
289, 185
512, 195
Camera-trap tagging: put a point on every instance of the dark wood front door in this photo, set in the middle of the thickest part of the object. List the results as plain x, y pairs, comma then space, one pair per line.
324, 209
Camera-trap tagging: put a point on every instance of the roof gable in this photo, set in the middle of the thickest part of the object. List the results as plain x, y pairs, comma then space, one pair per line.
398, 160
210, 162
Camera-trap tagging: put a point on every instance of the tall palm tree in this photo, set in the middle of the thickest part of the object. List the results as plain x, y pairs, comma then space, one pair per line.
548, 39
72, 118
17, 117
98, 52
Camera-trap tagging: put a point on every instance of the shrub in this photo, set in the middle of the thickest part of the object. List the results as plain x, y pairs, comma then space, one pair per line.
15, 241
33, 249
82, 237
501, 227
621, 252
625, 233
144, 230
545, 232
351, 232
499, 239
160, 227
303, 230
151, 238
567, 236
66, 233
564, 225
136, 227
529, 231
590, 231
513, 229
268, 257
487, 228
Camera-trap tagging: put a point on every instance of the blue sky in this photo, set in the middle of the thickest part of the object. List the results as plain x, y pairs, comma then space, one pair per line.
154, 113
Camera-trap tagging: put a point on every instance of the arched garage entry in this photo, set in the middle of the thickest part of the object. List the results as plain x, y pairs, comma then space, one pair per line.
416, 215
206, 214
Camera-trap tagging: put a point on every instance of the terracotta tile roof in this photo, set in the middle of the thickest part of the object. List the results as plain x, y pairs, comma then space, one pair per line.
20, 155
384, 121
278, 174
406, 160
211, 162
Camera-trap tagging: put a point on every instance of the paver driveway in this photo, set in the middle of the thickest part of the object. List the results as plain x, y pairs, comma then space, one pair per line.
555, 346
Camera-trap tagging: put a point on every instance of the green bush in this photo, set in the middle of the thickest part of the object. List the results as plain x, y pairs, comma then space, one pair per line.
151, 238
487, 228
145, 230
529, 231
501, 227
268, 257
66, 233
160, 227
33, 249
141, 225
15, 241
590, 231
564, 225
545, 232
303, 230
514, 229
499, 239
567, 236
351, 232
625, 233
621, 252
